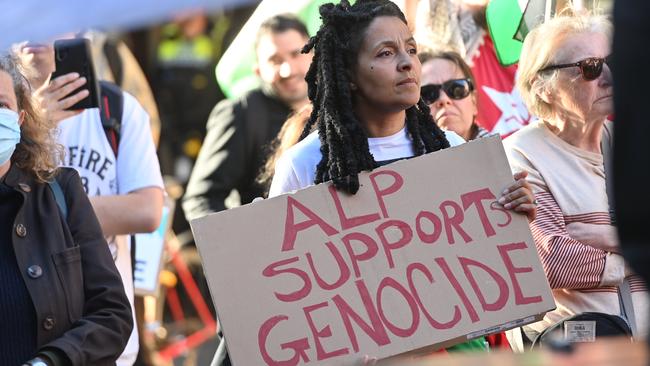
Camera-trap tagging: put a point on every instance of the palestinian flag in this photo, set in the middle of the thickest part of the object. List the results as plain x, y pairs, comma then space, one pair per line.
509, 21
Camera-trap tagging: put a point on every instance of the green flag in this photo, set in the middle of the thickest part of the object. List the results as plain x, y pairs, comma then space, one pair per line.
509, 21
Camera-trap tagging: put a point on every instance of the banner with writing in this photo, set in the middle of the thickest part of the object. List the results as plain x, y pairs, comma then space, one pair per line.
421, 257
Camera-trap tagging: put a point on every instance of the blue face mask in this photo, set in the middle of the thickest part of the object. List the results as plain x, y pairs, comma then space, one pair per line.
9, 134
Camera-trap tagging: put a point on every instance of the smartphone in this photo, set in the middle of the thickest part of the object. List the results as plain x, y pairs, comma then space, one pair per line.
74, 55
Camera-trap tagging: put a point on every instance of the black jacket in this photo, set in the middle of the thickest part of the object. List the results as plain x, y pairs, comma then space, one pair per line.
81, 308
233, 152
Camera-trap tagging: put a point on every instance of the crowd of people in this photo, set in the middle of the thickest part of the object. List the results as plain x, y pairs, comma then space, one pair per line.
357, 95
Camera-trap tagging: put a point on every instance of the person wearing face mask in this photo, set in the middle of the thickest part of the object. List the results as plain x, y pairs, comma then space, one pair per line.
9, 133
448, 87
62, 301
566, 81
119, 171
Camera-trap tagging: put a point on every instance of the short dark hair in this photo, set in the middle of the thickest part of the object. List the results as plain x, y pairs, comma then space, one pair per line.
281, 23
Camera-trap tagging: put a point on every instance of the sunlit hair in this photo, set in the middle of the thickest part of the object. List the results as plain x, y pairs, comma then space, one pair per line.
344, 144
37, 152
288, 136
543, 47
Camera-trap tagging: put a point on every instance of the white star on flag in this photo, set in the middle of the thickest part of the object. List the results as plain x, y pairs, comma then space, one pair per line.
514, 114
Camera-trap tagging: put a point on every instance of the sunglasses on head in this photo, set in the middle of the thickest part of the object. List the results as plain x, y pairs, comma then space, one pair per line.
455, 89
590, 68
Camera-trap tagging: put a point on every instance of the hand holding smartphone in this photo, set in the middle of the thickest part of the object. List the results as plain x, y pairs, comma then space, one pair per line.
74, 55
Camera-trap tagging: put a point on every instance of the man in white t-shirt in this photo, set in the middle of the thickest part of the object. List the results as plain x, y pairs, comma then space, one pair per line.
126, 190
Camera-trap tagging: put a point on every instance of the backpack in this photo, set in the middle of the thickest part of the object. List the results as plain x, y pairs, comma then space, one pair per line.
111, 108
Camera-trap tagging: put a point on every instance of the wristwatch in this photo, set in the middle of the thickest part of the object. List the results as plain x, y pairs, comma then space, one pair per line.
37, 361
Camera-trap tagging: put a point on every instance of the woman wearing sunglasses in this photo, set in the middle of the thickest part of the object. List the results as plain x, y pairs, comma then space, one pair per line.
448, 89
565, 80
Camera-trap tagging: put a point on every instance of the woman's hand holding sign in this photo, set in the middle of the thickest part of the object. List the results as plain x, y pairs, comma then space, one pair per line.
519, 197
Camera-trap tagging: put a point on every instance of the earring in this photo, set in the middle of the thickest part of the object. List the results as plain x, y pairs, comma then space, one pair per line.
353, 86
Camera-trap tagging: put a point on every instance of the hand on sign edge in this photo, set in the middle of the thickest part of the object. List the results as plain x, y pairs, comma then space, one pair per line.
519, 197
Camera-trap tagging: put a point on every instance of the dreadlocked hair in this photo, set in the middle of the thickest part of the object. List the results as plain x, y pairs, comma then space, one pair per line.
344, 144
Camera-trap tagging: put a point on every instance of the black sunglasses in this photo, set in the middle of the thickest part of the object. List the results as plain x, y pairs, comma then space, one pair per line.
590, 68
455, 89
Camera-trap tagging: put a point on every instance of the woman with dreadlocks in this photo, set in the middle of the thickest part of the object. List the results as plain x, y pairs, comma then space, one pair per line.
364, 84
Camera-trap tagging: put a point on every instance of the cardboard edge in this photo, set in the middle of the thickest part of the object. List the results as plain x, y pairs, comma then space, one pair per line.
423, 351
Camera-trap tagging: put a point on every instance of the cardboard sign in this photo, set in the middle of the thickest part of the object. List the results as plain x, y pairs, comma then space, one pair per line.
420, 258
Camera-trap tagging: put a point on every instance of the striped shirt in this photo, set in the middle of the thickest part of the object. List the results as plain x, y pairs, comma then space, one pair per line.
569, 186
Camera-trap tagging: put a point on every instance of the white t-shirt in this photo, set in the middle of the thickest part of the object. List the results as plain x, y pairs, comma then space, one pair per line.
88, 151
296, 168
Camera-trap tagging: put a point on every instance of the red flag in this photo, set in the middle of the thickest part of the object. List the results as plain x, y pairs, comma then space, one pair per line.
500, 107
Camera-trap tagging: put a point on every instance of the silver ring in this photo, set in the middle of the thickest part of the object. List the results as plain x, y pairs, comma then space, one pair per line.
535, 202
